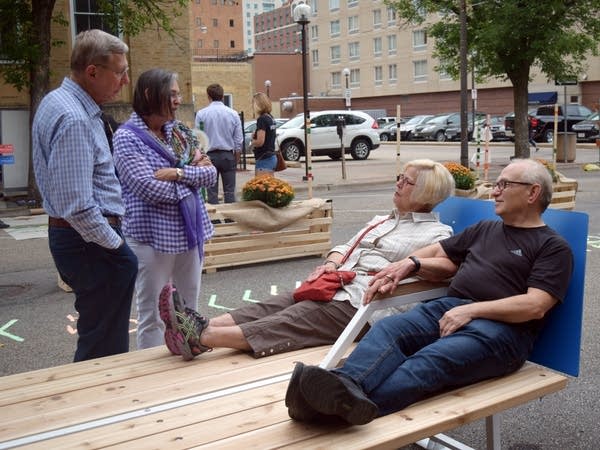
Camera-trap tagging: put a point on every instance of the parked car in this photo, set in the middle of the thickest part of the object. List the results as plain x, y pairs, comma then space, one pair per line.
434, 129
542, 120
496, 129
360, 135
383, 121
250, 128
388, 132
453, 131
588, 130
408, 127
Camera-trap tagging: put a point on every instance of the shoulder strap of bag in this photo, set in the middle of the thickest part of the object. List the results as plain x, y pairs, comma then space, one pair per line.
347, 255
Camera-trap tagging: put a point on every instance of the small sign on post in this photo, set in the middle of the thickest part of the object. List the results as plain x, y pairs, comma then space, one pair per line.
7, 154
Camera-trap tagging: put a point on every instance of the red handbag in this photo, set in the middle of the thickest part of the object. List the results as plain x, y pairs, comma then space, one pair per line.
324, 288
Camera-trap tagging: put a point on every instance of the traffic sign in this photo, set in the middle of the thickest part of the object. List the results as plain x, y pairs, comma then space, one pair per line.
7, 159
565, 82
6, 148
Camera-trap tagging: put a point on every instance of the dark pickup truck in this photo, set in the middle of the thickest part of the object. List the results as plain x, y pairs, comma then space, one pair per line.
542, 121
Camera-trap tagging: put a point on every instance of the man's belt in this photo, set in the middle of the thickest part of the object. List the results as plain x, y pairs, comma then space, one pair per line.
115, 221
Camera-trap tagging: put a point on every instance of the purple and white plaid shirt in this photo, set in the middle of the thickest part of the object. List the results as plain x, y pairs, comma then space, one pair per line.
152, 213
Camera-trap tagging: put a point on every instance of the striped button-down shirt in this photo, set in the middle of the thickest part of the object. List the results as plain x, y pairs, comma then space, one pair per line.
73, 166
222, 125
152, 206
394, 239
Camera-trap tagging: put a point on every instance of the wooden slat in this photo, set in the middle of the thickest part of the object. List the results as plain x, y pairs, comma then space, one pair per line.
91, 396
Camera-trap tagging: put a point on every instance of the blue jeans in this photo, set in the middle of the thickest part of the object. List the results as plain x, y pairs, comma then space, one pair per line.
103, 281
402, 358
267, 163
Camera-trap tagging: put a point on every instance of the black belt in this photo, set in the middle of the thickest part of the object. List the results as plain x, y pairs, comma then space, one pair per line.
115, 221
218, 150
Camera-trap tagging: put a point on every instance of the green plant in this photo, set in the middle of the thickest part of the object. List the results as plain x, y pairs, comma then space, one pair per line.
463, 177
270, 190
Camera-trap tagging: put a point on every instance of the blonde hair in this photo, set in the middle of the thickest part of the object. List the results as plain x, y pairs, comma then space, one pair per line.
434, 183
261, 104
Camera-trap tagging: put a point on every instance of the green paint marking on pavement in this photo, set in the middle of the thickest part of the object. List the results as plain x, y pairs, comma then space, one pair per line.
247, 298
212, 301
9, 335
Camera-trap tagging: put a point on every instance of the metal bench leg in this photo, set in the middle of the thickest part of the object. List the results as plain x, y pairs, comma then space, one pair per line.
442, 442
492, 428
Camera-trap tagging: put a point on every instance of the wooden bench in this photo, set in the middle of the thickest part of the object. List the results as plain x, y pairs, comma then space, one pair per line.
227, 399
234, 245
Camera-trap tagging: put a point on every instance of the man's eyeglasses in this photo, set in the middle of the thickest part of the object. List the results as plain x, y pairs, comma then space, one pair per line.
402, 180
119, 73
503, 184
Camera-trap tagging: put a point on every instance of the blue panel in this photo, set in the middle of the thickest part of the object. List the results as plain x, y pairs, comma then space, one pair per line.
558, 346
542, 98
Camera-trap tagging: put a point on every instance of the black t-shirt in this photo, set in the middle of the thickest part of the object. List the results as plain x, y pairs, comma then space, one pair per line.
265, 122
497, 261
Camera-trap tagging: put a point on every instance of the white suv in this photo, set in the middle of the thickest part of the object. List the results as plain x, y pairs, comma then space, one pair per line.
360, 135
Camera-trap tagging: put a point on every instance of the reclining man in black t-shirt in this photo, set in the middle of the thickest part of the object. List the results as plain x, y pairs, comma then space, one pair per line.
507, 275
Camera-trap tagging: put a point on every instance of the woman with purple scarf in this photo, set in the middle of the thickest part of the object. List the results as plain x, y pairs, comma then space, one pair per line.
161, 169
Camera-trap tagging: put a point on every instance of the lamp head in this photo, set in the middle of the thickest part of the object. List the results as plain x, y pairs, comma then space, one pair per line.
267, 83
301, 12
346, 72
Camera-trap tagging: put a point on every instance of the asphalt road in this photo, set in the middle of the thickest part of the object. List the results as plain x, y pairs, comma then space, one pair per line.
37, 320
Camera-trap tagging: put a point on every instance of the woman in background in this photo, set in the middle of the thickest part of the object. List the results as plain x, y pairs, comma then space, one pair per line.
263, 140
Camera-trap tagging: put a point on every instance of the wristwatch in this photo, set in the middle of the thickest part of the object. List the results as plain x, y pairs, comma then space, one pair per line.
417, 263
179, 172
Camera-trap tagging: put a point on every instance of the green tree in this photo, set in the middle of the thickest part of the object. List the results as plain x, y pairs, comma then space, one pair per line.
507, 39
25, 39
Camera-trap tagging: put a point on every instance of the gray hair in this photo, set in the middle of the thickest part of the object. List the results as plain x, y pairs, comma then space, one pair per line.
536, 173
434, 182
94, 47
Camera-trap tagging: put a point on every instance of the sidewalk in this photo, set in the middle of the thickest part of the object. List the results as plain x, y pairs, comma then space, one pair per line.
380, 168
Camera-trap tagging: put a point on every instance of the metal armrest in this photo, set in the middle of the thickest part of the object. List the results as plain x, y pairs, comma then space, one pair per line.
408, 291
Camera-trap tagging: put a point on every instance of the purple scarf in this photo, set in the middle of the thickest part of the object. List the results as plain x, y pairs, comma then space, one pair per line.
190, 206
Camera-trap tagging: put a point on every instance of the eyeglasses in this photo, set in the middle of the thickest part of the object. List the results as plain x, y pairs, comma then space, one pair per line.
119, 73
503, 184
402, 180
176, 96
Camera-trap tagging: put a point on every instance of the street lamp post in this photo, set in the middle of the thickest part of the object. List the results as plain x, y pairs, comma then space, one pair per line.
268, 87
347, 92
300, 13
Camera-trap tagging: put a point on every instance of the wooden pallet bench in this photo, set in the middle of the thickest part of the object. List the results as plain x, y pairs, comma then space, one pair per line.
225, 399
234, 244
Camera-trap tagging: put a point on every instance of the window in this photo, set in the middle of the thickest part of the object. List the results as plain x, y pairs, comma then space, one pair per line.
376, 18
336, 78
391, 16
315, 58
392, 72
231, 23
215, 43
334, 5
377, 46
334, 28
378, 75
86, 16
352, 3
354, 50
392, 44
419, 40
215, 22
335, 54
231, 44
355, 77
353, 24
199, 43
314, 32
420, 70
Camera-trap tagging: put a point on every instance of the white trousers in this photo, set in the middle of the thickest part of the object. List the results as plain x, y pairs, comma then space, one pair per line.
155, 269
